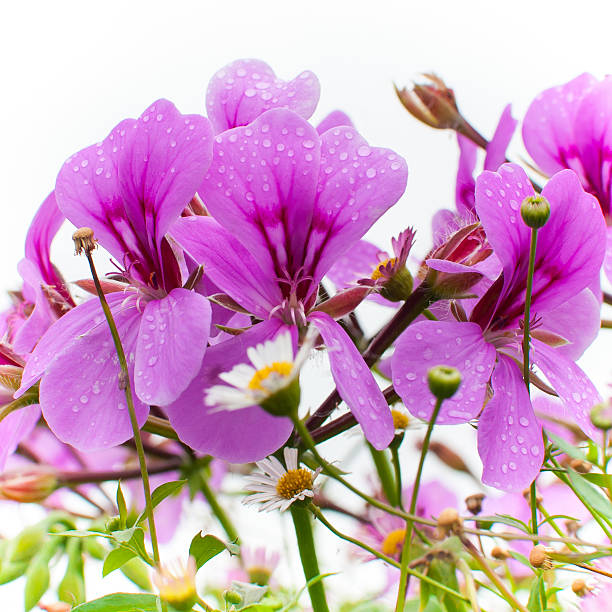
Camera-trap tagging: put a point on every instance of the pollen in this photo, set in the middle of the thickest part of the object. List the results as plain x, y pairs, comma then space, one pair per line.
279, 369
381, 267
400, 419
392, 544
293, 483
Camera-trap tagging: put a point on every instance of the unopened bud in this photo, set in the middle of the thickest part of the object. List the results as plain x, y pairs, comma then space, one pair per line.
84, 240
535, 211
601, 416
443, 381
527, 496
499, 553
449, 521
232, 597
398, 287
571, 526
432, 103
474, 503
59, 606
31, 485
580, 588
26, 544
539, 557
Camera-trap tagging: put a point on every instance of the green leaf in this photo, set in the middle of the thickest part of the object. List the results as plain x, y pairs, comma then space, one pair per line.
520, 558
504, 519
115, 559
590, 494
204, 548
535, 603
121, 602
122, 506
158, 496
433, 605
601, 480
566, 447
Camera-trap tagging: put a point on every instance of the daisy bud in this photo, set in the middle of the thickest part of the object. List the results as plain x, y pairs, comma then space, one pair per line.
535, 211
443, 381
84, 240
539, 557
474, 502
580, 466
499, 553
449, 521
176, 585
232, 597
31, 485
580, 587
601, 416
398, 286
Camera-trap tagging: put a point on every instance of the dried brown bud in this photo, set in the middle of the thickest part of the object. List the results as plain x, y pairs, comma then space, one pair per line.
583, 467
84, 240
449, 521
539, 557
580, 588
571, 526
474, 502
499, 553
527, 496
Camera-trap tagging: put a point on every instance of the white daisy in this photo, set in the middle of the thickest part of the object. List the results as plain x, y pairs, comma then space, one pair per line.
272, 369
278, 487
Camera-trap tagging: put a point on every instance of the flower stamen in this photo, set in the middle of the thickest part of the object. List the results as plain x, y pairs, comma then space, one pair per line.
293, 482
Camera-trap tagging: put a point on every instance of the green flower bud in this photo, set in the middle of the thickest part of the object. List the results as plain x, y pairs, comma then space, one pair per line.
285, 401
26, 544
37, 581
136, 571
535, 211
113, 524
399, 287
72, 587
12, 571
232, 597
443, 381
601, 416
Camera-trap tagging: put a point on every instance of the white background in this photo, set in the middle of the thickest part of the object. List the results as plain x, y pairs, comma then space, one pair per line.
71, 70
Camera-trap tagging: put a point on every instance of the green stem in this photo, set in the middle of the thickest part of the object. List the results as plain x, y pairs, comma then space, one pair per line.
555, 527
217, 510
470, 586
403, 584
398, 472
317, 512
381, 462
529, 289
124, 380
303, 531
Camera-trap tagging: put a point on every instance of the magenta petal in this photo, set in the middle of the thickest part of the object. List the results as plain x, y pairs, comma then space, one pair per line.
496, 149
360, 263
171, 344
239, 436
228, 264
241, 91
262, 184
427, 344
14, 428
509, 436
334, 119
577, 320
548, 126
80, 395
465, 184
355, 382
357, 184
63, 333
574, 388
498, 200
608, 257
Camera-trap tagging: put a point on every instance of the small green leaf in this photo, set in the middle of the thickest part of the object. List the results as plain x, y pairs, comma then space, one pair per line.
601, 480
121, 602
115, 559
566, 447
204, 548
504, 519
535, 602
158, 496
590, 494
122, 506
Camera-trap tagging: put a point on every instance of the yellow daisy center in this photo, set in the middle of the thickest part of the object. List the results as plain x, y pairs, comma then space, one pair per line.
400, 419
293, 482
378, 270
278, 368
392, 544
